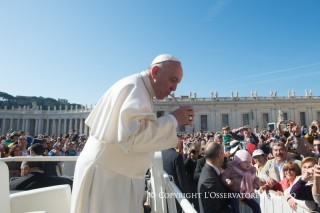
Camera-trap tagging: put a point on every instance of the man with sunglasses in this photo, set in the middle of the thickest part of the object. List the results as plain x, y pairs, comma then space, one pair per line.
272, 170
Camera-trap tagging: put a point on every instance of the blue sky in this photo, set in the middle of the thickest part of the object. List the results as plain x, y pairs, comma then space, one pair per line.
77, 49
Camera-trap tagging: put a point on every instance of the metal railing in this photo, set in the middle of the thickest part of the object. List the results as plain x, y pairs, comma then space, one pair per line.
164, 191
172, 189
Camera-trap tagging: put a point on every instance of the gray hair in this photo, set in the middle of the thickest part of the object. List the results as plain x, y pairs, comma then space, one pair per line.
212, 150
279, 143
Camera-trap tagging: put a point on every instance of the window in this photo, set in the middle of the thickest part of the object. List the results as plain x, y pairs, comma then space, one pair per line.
285, 116
225, 119
245, 119
318, 116
302, 118
160, 113
204, 122
265, 119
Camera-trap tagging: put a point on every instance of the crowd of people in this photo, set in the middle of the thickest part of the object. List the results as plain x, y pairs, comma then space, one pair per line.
19, 143
284, 160
28, 175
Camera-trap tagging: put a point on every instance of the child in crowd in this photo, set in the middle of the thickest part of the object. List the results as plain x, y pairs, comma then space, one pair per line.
227, 137
240, 177
55, 151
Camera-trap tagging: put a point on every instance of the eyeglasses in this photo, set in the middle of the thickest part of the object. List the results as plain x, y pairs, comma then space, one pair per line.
316, 144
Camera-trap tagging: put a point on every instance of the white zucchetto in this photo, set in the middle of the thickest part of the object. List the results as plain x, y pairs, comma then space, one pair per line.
164, 57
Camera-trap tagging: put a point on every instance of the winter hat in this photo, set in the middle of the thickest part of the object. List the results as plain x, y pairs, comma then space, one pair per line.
242, 155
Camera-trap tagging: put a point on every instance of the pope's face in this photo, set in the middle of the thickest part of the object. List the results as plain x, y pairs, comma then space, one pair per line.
165, 78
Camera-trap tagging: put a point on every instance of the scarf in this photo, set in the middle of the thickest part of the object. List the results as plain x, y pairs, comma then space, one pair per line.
246, 185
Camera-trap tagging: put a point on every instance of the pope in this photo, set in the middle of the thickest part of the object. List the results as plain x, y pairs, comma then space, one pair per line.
124, 134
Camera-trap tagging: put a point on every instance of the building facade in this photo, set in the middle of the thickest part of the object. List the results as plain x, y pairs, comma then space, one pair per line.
37, 121
210, 114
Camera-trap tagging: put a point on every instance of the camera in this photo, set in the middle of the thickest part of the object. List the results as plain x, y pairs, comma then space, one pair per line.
314, 128
37, 140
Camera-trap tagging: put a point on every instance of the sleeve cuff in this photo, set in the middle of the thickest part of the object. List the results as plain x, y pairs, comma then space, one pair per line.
302, 182
174, 120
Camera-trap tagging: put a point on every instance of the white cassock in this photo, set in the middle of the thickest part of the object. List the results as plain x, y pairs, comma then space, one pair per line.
124, 134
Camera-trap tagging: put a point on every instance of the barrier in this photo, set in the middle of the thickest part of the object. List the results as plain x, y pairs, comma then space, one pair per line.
171, 188
161, 185
270, 203
33, 200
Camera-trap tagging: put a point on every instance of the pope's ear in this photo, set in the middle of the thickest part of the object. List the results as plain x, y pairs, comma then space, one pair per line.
154, 71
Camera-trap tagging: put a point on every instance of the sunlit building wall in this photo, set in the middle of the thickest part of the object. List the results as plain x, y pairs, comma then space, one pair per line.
210, 114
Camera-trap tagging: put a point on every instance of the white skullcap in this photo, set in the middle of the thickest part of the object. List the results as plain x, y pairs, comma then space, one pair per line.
164, 57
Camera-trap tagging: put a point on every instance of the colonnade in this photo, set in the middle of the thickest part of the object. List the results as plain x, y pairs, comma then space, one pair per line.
210, 114
49, 122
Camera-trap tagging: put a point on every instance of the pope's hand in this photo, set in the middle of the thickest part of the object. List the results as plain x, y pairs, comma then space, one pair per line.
184, 115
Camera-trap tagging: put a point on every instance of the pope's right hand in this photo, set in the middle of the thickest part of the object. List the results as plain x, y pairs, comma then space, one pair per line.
184, 115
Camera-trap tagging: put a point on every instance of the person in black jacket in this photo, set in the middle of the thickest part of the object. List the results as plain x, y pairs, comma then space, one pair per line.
210, 187
174, 166
190, 166
202, 161
200, 164
33, 177
50, 167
